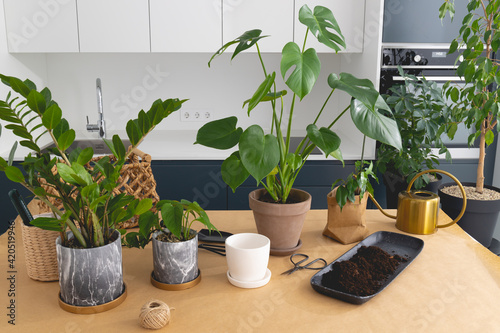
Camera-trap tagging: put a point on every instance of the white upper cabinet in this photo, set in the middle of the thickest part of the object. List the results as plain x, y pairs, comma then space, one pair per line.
185, 25
41, 26
114, 25
273, 17
350, 15
169, 25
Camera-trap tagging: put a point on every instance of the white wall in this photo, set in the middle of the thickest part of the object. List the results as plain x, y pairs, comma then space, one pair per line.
32, 66
131, 82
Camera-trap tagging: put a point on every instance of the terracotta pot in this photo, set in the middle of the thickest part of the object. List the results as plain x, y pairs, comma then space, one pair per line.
281, 223
349, 224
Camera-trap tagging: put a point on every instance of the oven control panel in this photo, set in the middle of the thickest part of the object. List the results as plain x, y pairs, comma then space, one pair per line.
418, 57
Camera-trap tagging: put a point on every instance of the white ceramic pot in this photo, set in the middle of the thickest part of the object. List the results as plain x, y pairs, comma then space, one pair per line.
247, 256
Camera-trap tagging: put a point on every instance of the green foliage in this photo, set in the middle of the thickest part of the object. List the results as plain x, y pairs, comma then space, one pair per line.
422, 115
85, 188
357, 183
177, 217
267, 155
476, 103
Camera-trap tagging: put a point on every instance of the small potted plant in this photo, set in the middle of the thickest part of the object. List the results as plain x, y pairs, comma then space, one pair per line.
476, 104
279, 209
89, 254
347, 205
420, 110
175, 243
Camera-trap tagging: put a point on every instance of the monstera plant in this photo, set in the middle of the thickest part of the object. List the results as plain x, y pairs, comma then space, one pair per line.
267, 157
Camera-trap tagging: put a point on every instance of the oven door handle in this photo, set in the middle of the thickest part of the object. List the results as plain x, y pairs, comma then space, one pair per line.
433, 78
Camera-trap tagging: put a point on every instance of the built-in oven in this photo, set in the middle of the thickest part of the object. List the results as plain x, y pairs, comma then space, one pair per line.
435, 64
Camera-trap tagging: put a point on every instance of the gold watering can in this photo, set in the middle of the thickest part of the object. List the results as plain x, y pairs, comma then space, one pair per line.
418, 209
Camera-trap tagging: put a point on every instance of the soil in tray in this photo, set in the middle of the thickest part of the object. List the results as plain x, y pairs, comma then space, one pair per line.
364, 273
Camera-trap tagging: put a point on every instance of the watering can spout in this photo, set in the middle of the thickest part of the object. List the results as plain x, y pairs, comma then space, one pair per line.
418, 210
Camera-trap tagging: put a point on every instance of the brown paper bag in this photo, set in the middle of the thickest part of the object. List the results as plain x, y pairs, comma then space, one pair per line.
349, 225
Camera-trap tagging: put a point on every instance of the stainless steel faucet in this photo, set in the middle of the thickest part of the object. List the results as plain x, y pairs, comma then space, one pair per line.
101, 125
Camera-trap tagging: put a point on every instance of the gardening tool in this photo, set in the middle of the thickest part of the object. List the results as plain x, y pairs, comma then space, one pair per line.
21, 207
418, 209
297, 265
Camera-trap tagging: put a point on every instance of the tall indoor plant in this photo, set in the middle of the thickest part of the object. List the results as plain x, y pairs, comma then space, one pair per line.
268, 156
421, 112
85, 189
476, 104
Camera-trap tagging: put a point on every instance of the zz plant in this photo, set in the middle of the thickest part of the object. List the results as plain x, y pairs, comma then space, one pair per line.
267, 155
85, 188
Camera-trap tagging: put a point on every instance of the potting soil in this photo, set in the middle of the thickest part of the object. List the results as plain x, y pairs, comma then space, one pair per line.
364, 273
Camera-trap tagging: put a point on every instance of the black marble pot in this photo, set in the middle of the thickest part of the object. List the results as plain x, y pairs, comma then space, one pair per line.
89, 277
175, 263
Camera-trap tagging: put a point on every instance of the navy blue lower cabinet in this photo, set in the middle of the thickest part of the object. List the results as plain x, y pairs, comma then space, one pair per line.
7, 210
199, 181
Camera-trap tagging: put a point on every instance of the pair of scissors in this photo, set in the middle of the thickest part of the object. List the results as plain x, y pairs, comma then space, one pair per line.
297, 265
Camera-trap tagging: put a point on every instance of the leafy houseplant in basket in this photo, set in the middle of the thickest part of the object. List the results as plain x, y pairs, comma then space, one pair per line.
89, 254
175, 247
421, 112
268, 156
347, 205
476, 104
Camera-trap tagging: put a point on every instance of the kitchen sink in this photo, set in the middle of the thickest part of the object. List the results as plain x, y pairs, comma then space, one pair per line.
99, 146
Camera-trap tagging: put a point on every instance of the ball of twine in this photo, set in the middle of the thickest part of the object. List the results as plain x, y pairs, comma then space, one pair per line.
154, 314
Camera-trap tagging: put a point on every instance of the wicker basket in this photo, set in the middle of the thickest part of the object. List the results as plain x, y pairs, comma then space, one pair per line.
136, 178
40, 252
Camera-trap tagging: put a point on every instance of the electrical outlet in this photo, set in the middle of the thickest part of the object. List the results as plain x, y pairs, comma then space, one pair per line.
196, 115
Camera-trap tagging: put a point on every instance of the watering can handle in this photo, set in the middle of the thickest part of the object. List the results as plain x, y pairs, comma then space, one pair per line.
456, 181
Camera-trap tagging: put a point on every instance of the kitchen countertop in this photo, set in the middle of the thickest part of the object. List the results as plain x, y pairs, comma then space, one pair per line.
452, 286
176, 145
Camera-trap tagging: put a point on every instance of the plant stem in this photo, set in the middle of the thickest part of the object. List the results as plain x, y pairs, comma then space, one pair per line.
338, 117
260, 58
323, 107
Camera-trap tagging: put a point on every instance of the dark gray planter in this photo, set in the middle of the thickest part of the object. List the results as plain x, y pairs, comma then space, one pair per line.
89, 277
175, 263
480, 217
394, 184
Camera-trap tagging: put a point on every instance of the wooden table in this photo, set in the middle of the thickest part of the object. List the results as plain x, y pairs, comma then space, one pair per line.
452, 286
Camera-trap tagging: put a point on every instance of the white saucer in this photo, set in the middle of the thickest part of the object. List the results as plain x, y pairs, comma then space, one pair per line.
252, 284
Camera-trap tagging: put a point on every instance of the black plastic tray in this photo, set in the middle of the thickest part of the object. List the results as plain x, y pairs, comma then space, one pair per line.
393, 243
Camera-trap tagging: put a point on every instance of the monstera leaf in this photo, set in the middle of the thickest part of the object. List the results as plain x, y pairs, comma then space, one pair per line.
220, 134
323, 25
324, 138
375, 125
233, 172
259, 153
245, 41
306, 69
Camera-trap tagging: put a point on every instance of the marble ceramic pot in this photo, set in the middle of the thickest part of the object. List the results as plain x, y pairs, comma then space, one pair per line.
90, 277
175, 263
